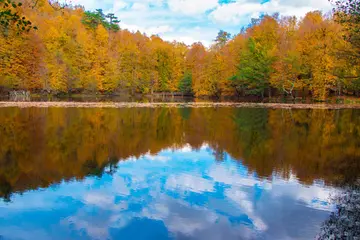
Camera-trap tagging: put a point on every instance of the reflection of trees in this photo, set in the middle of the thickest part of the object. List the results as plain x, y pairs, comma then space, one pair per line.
345, 222
39, 147
252, 131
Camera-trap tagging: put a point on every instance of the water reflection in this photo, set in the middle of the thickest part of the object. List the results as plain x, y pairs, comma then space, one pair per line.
175, 194
173, 173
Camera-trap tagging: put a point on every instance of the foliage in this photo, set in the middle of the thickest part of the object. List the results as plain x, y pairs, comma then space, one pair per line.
287, 62
10, 16
77, 50
222, 38
185, 84
347, 13
254, 69
96, 18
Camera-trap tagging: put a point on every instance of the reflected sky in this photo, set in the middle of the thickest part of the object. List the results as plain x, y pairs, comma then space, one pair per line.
179, 193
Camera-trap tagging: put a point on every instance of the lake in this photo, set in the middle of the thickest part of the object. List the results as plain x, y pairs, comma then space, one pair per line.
173, 173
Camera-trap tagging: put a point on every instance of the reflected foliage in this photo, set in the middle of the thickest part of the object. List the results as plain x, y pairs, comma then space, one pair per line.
41, 147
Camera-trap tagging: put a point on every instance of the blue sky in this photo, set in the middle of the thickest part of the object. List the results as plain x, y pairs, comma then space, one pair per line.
197, 20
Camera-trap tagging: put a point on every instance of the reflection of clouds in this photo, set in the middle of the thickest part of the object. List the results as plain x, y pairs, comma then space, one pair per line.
157, 158
97, 223
232, 176
186, 149
45, 199
28, 202
186, 221
99, 199
186, 225
179, 217
182, 149
104, 201
156, 188
244, 203
119, 186
240, 198
96, 227
156, 211
19, 233
314, 196
186, 182
204, 146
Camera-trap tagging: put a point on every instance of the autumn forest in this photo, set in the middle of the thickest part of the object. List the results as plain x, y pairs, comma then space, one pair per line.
47, 47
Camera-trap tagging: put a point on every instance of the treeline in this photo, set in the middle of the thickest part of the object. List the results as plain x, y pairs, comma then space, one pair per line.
74, 50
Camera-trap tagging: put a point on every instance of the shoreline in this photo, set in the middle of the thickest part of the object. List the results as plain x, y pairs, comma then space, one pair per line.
174, 105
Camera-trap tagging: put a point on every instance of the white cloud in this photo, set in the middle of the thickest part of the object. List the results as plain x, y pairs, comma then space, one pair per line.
139, 6
191, 7
242, 10
192, 21
118, 5
192, 35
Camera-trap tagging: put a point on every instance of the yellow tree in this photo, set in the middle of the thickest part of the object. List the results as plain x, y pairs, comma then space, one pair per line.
129, 61
179, 51
56, 67
196, 64
148, 66
233, 51
77, 50
99, 66
317, 45
215, 74
285, 76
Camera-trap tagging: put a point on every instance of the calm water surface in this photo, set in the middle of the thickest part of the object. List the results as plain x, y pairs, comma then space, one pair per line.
167, 173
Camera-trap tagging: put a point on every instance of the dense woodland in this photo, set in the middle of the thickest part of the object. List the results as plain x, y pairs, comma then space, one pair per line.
45, 47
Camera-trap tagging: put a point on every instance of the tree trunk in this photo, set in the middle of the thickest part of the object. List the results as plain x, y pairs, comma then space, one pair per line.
303, 93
